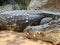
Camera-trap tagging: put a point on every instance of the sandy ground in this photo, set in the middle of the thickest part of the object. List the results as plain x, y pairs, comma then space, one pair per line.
14, 38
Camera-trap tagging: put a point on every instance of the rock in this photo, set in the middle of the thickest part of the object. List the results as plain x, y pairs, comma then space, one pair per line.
36, 4
53, 5
5, 8
8, 5
5, 2
46, 20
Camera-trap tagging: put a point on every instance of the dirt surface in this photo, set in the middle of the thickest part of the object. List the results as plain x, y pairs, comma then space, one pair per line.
15, 38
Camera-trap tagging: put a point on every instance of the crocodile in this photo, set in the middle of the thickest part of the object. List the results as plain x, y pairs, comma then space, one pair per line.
51, 33
26, 17
28, 14
22, 18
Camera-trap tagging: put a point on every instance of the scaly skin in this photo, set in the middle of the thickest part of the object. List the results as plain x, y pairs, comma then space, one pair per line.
50, 34
47, 35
